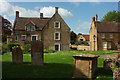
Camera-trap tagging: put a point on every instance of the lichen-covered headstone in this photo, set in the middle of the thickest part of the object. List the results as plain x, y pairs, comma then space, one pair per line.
17, 55
109, 63
37, 53
116, 74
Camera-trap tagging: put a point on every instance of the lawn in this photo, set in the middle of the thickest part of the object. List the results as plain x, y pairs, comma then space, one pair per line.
56, 65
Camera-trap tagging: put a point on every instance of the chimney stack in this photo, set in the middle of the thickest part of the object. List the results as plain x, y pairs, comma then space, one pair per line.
93, 19
56, 9
41, 15
17, 14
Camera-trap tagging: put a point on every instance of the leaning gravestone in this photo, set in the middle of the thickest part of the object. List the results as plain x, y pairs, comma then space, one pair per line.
37, 53
17, 55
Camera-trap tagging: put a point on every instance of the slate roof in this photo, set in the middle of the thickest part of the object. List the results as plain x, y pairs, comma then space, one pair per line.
21, 22
107, 26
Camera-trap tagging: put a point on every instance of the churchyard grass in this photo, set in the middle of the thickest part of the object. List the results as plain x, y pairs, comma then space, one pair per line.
56, 65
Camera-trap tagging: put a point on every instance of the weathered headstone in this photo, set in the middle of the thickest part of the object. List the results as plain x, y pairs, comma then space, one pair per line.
17, 55
85, 66
116, 74
37, 53
109, 63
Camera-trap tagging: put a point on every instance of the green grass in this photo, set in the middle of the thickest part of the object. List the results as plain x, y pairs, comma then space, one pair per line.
56, 65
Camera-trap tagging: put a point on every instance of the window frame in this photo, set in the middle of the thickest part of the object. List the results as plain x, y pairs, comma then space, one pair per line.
36, 37
16, 36
108, 45
58, 24
22, 37
31, 28
58, 36
104, 46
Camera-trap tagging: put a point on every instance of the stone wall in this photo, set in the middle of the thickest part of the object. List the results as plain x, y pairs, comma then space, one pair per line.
37, 53
83, 48
17, 55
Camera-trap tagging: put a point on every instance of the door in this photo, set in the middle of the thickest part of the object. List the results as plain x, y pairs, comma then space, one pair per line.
57, 47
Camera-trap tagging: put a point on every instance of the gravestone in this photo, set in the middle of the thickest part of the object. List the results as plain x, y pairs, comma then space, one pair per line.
37, 53
116, 74
85, 66
109, 63
17, 55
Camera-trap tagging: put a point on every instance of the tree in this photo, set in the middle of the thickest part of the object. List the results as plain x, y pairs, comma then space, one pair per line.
112, 16
73, 37
79, 33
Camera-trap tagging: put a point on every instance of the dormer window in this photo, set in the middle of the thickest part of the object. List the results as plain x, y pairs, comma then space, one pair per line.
33, 28
57, 24
30, 28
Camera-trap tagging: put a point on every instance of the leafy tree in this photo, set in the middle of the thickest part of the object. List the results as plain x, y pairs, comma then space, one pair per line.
112, 16
79, 33
73, 37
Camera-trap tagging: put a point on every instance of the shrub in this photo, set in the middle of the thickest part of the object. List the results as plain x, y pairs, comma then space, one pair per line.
49, 51
27, 48
10, 45
5, 48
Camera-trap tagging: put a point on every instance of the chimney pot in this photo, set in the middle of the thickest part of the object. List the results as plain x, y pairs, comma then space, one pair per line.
93, 19
56, 9
17, 14
41, 15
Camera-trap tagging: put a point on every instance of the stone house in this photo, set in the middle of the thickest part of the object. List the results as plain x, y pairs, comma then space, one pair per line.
83, 37
54, 32
104, 35
6, 29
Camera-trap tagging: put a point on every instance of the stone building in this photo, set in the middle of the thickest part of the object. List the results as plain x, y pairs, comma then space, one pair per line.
83, 37
104, 35
54, 32
5, 26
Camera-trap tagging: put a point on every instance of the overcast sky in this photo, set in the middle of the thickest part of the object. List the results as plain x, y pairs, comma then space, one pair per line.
78, 15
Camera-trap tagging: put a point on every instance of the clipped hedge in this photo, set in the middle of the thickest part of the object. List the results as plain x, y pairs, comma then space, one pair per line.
49, 51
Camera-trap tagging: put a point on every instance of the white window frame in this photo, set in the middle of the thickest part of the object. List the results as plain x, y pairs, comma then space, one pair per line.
34, 35
103, 36
105, 47
58, 26
15, 37
111, 35
58, 36
22, 37
59, 46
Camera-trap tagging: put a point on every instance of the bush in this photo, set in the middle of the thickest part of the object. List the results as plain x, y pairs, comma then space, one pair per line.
49, 51
27, 48
5, 48
81, 43
10, 45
